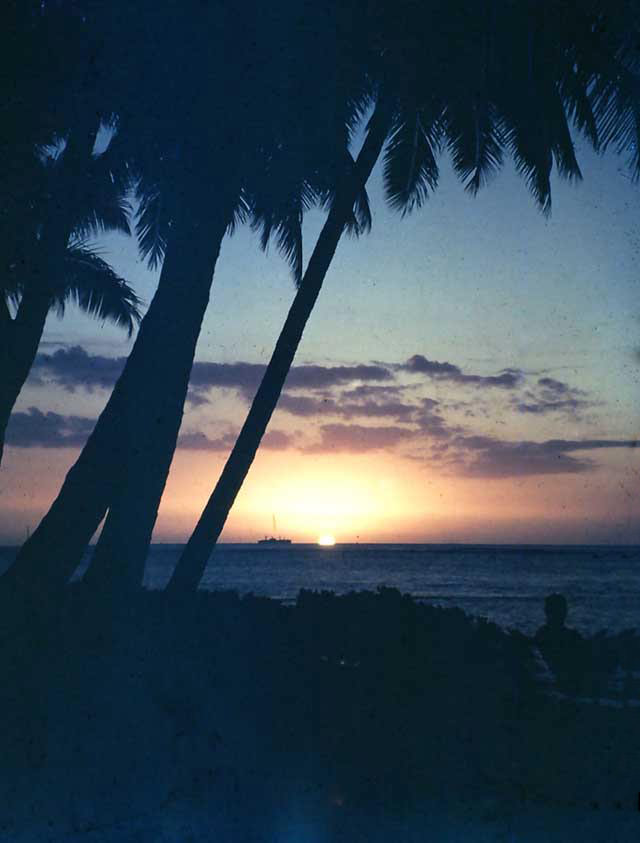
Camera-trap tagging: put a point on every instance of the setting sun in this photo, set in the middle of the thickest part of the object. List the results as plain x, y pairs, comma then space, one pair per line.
326, 540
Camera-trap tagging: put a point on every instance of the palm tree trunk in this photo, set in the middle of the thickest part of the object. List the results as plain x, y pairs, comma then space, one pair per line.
194, 558
137, 406
20, 347
155, 418
24, 333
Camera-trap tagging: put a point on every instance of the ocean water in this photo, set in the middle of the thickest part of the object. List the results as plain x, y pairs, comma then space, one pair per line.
506, 584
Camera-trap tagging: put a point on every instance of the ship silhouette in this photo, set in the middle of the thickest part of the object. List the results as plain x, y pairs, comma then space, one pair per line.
272, 539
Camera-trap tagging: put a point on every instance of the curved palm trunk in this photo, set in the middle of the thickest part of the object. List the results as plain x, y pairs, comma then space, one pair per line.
158, 365
154, 419
194, 558
20, 346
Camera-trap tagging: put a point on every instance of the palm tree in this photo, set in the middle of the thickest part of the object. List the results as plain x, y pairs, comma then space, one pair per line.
43, 276
511, 80
291, 171
200, 196
196, 554
57, 190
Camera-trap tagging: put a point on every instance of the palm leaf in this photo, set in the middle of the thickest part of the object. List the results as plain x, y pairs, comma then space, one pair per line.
99, 190
474, 139
617, 110
279, 198
533, 160
574, 91
410, 168
92, 284
561, 141
151, 226
359, 222
240, 214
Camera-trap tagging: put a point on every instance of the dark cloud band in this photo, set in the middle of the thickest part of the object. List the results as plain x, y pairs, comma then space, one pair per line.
74, 368
418, 364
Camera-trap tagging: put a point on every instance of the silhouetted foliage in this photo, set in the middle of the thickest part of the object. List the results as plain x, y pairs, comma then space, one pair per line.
208, 161
369, 700
51, 263
507, 81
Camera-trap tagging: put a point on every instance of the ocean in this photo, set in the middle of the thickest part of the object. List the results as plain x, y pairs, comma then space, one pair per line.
505, 583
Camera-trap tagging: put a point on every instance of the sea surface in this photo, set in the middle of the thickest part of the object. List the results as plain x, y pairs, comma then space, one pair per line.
504, 583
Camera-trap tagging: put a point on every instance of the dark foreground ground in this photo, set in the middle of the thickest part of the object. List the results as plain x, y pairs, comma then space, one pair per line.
364, 717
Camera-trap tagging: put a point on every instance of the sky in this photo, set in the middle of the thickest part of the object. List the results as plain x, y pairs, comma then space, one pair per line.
469, 374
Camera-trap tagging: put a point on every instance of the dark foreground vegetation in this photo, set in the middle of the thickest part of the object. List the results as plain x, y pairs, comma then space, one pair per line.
343, 714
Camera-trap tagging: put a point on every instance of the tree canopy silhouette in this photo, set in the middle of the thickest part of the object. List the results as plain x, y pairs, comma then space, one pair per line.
220, 155
44, 273
505, 78
229, 128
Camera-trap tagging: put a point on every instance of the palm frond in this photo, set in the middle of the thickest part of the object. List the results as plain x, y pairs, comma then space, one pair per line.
117, 162
474, 139
360, 222
151, 227
574, 92
285, 228
533, 160
288, 236
106, 213
278, 201
99, 200
561, 141
100, 292
240, 214
617, 110
410, 168
11, 295
283, 224
357, 108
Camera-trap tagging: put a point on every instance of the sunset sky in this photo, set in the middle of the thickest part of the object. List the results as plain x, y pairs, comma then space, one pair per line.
471, 373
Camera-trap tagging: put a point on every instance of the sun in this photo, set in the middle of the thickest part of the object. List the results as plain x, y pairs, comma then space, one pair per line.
326, 540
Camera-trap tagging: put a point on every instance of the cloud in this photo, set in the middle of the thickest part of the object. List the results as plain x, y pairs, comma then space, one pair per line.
373, 392
554, 396
276, 440
485, 456
554, 386
387, 409
341, 399
431, 421
74, 367
418, 364
540, 407
305, 405
357, 439
198, 441
243, 377
317, 377
35, 429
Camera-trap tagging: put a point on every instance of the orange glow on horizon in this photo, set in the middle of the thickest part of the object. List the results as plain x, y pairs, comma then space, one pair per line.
382, 497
